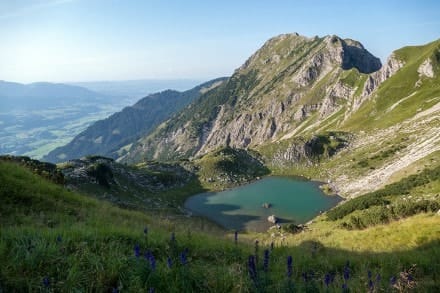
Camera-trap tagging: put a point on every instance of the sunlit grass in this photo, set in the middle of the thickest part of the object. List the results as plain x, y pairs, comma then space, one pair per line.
55, 240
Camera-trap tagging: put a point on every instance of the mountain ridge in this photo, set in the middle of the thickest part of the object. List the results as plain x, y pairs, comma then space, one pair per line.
280, 99
107, 137
265, 75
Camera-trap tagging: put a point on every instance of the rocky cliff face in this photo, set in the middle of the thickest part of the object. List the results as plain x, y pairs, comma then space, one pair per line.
375, 79
290, 80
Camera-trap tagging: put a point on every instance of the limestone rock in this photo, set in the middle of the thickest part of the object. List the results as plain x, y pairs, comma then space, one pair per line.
375, 79
425, 69
272, 219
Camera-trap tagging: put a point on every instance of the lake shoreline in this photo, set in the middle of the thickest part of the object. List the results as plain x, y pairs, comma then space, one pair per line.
293, 199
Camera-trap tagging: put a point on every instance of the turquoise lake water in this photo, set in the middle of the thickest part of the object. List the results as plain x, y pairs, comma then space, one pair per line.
292, 199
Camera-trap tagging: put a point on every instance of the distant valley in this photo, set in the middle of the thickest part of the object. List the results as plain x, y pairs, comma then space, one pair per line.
39, 117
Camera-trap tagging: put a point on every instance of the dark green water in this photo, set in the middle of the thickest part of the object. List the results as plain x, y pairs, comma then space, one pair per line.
292, 200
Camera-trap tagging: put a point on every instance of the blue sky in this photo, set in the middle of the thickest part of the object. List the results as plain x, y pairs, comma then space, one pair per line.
89, 40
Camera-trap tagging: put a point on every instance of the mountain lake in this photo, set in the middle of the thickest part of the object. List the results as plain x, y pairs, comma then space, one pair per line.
291, 200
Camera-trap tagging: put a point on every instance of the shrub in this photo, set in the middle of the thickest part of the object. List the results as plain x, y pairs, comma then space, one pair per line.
378, 197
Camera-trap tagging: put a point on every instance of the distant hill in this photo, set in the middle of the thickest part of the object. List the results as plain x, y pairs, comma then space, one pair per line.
137, 89
107, 137
38, 117
42, 95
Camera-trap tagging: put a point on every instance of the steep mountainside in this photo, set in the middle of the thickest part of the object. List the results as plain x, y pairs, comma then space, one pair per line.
312, 105
285, 82
106, 137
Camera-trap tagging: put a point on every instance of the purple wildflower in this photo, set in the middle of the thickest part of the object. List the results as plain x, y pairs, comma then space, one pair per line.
347, 271
252, 268
169, 262
59, 239
378, 278
289, 266
147, 254
151, 290
393, 280
369, 274
115, 290
152, 262
327, 279
344, 287
370, 285
266, 260
236, 237
46, 282
183, 258
146, 230
137, 250
305, 277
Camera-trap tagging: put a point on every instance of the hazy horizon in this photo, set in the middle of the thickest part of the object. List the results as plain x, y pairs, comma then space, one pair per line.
73, 41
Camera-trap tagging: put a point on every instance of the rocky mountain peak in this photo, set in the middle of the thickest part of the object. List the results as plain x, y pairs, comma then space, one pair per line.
352, 54
292, 87
315, 56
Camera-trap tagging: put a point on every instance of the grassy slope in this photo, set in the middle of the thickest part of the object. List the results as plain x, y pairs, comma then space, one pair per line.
227, 167
376, 113
95, 251
378, 140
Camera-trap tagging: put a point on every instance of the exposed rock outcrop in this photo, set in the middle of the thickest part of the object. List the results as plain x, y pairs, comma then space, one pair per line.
272, 219
374, 80
425, 69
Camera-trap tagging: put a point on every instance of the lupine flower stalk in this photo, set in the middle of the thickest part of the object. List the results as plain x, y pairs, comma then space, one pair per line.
289, 266
370, 285
252, 268
266, 260
393, 281
152, 262
327, 279
347, 271
137, 251
183, 258
46, 282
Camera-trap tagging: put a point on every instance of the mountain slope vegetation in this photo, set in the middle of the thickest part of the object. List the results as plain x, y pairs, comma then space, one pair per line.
108, 137
56, 240
378, 121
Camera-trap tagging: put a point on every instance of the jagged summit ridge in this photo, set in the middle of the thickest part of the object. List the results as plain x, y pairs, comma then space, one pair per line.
278, 88
346, 52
